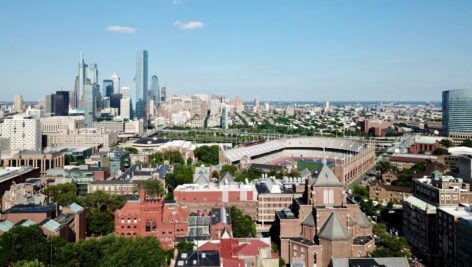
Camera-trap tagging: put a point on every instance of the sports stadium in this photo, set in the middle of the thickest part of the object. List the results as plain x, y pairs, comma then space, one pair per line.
348, 157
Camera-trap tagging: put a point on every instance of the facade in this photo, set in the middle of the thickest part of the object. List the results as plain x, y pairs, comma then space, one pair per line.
141, 84
108, 88
68, 223
41, 160
12, 175
375, 127
61, 103
22, 193
457, 111
389, 193
152, 216
18, 103
125, 108
56, 124
23, 132
322, 225
83, 138
155, 90
91, 96
464, 241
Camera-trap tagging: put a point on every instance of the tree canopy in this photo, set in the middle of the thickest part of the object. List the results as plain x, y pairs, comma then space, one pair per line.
467, 143
62, 194
182, 174
242, 224
174, 157
152, 187
208, 154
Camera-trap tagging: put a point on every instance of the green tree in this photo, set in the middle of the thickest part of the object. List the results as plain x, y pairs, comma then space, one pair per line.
360, 192
467, 143
26, 263
131, 150
243, 226
389, 245
384, 166
229, 168
62, 194
208, 154
23, 244
440, 151
182, 174
446, 142
184, 246
152, 187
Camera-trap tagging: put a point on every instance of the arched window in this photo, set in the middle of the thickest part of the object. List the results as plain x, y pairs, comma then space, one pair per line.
331, 196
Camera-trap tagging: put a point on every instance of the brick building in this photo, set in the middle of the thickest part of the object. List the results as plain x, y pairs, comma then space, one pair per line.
152, 216
322, 225
389, 193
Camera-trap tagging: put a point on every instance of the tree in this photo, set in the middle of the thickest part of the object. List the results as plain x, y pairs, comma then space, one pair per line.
384, 166
25, 263
243, 226
360, 192
208, 154
184, 246
62, 194
229, 168
23, 244
389, 245
446, 143
100, 208
467, 143
131, 150
152, 187
182, 174
440, 151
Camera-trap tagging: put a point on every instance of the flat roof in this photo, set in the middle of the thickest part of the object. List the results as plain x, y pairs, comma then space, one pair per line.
31, 208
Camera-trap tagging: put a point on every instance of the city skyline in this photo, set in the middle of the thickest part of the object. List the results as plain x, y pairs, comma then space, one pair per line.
203, 47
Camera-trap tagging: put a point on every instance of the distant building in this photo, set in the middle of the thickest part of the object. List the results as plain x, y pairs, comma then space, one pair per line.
18, 103
22, 193
141, 84
193, 258
370, 262
125, 108
83, 138
11, 175
91, 96
61, 103
389, 193
55, 124
457, 111
116, 83
115, 101
42, 160
108, 88
375, 127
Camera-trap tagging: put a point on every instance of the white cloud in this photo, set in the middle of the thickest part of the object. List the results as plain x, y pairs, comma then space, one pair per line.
121, 29
191, 25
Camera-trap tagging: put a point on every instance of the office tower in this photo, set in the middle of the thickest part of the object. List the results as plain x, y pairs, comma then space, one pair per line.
61, 103
155, 90
18, 103
50, 103
457, 114
23, 132
163, 94
256, 104
116, 83
125, 108
126, 92
91, 96
93, 74
105, 102
81, 81
108, 88
141, 79
115, 101
224, 117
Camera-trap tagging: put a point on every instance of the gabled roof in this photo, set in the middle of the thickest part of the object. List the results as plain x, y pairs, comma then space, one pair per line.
363, 221
326, 178
76, 208
309, 220
305, 173
334, 230
52, 225
5, 226
227, 178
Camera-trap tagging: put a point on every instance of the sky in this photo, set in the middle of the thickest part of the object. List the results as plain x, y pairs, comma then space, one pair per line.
352, 50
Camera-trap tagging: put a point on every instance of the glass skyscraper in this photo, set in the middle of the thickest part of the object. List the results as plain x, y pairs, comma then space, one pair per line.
108, 89
91, 102
155, 90
141, 84
457, 113
61, 103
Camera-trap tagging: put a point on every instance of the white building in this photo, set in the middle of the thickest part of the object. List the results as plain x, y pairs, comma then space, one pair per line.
87, 137
125, 108
23, 132
56, 124
18, 103
116, 83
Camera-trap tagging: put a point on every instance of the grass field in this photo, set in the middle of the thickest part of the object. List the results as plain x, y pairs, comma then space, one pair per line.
311, 165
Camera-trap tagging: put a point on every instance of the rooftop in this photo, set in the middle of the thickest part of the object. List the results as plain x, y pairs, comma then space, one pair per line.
31, 208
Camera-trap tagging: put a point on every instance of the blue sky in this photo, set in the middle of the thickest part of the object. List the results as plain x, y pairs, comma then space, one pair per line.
277, 49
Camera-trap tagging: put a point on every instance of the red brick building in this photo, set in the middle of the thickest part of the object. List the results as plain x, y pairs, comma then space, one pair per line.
375, 127
152, 216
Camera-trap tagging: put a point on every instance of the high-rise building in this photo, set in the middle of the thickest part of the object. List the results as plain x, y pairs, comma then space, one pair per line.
50, 103
457, 114
18, 103
91, 96
141, 84
108, 88
81, 81
116, 83
155, 90
256, 104
61, 103
115, 101
224, 117
93, 74
24, 133
125, 108
126, 92
163, 94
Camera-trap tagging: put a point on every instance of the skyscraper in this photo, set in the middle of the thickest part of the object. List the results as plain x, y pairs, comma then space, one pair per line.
163, 94
457, 114
81, 81
125, 108
141, 84
61, 103
115, 101
116, 83
24, 133
93, 74
155, 90
18, 103
91, 96
50, 103
108, 88
224, 117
